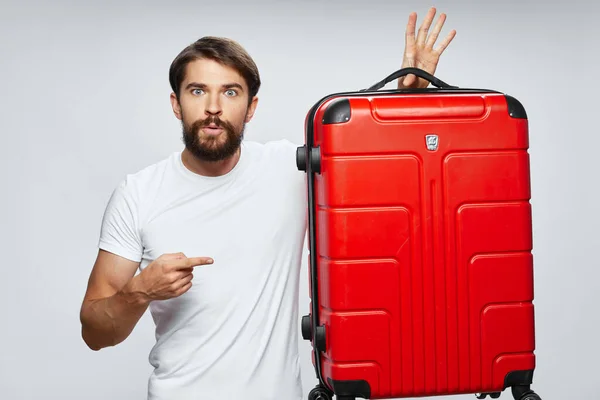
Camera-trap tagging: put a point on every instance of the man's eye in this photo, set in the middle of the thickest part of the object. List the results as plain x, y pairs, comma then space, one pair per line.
230, 92
197, 91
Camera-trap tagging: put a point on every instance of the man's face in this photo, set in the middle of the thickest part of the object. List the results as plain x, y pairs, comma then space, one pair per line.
213, 107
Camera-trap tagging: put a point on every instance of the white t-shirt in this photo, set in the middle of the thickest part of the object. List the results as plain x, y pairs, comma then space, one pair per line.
234, 334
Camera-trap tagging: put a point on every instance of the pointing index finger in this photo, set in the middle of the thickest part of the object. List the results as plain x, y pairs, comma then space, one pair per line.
191, 262
195, 261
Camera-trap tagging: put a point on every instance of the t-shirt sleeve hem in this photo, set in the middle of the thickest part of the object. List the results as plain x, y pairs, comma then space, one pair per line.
120, 251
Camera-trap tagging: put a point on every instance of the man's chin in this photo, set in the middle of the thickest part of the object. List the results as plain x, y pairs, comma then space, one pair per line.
212, 146
212, 152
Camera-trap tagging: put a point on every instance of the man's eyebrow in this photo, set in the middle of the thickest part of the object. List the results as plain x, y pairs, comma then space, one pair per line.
233, 85
195, 85
203, 86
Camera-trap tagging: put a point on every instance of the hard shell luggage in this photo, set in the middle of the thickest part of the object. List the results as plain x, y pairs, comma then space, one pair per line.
420, 238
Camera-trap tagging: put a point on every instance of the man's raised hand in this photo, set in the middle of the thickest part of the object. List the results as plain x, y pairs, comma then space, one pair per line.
419, 51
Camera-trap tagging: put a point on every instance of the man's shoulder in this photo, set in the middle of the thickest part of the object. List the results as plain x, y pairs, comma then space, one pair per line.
137, 184
276, 144
279, 150
279, 154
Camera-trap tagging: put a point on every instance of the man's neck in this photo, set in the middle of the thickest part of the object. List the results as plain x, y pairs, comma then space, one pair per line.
209, 168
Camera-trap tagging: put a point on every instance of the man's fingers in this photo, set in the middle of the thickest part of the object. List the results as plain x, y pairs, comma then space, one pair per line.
196, 261
185, 271
172, 256
408, 80
424, 29
444, 43
190, 262
409, 36
183, 281
435, 32
181, 290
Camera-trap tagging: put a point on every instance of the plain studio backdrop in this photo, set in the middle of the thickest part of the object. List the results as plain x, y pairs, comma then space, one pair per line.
85, 100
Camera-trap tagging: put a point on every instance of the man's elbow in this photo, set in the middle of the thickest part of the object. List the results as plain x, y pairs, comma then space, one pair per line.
90, 343
93, 348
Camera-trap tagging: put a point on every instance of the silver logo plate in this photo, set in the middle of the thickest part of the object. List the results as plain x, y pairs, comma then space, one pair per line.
432, 142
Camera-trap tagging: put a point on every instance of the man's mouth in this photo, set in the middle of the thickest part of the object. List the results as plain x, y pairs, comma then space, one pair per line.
212, 129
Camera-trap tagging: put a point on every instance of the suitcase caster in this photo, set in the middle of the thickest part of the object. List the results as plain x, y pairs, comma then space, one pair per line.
524, 393
494, 395
531, 396
319, 393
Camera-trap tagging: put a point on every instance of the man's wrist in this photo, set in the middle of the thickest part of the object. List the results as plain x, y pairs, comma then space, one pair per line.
133, 292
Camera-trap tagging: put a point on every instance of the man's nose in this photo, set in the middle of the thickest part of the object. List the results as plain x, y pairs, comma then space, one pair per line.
214, 106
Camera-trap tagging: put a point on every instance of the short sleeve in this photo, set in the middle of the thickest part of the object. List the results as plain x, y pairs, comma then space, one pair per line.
119, 232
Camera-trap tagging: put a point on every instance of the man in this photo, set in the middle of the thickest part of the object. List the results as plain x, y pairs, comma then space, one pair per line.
217, 232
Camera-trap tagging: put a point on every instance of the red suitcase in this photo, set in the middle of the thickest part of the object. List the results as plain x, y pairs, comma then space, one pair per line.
420, 238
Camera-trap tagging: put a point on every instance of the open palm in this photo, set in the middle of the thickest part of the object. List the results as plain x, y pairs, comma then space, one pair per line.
419, 51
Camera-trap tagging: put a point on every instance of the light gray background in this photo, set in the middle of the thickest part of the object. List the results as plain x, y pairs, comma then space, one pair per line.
85, 100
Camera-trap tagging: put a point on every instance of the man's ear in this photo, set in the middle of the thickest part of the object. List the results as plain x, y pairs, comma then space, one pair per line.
176, 106
251, 109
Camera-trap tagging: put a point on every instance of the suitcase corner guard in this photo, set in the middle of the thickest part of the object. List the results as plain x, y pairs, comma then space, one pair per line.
337, 112
515, 107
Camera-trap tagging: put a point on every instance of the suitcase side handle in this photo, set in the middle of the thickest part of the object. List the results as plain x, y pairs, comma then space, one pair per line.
410, 70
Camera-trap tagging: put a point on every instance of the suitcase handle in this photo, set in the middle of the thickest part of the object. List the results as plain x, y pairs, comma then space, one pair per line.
415, 71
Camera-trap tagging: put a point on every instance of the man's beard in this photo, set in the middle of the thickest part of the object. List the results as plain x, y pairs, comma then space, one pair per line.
212, 148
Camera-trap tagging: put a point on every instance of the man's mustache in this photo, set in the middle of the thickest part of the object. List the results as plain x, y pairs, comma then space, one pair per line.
212, 120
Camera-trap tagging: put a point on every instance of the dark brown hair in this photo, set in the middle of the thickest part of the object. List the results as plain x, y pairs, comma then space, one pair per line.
223, 50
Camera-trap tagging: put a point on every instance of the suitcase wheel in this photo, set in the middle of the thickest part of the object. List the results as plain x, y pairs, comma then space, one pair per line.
531, 396
319, 393
494, 395
524, 393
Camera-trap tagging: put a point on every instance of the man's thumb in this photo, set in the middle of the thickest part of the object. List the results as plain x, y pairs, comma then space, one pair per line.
408, 80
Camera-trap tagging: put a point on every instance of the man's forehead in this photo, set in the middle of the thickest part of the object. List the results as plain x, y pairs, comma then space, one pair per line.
209, 72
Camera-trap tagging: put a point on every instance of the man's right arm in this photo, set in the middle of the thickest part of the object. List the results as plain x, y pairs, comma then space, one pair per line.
113, 304
116, 298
